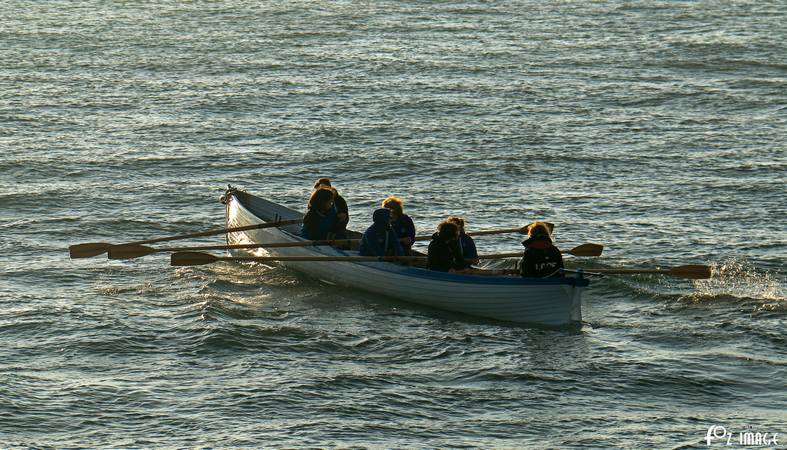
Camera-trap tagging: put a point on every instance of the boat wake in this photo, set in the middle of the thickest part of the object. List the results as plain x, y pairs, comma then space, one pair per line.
735, 279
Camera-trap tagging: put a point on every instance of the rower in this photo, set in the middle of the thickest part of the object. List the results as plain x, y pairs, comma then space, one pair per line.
380, 239
342, 213
402, 223
444, 253
541, 258
320, 222
466, 243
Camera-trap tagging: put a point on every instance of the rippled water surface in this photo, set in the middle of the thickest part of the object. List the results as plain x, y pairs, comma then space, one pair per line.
655, 128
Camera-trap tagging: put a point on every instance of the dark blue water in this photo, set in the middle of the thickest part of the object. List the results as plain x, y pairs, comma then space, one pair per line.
654, 128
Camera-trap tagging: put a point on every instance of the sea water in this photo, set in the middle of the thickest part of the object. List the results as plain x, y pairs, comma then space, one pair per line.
655, 128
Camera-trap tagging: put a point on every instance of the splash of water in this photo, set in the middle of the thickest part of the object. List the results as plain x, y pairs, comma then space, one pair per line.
739, 279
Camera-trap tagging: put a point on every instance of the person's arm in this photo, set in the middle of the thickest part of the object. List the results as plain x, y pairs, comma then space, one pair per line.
525, 265
436, 259
364, 249
398, 250
457, 261
559, 258
471, 254
311, 225
408, 231
342, 213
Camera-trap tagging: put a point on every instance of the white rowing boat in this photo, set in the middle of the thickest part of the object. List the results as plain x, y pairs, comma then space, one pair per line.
536, 301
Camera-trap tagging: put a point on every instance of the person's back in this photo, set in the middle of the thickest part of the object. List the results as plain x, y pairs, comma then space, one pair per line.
379, 239
541, 258
444, 253
320, 221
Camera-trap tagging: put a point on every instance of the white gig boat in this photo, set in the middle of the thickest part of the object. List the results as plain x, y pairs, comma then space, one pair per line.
552, 302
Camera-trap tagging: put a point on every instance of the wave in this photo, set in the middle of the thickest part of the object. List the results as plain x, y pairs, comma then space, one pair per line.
736, 279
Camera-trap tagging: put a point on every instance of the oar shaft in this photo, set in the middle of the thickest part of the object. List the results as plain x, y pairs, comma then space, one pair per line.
630, 271
197, 258
501, 231
333, 242
323, 258
221, 231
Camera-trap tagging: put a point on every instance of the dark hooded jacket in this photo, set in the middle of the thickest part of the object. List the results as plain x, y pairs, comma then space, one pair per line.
380, 239
541, 258
444, 256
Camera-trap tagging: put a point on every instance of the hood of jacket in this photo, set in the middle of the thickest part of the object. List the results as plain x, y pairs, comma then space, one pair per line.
382, 218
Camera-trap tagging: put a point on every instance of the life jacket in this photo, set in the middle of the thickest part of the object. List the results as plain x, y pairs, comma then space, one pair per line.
541, 258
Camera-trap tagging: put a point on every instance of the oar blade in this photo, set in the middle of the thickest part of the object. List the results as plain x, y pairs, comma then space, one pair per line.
192, 259
129, 251
692, 271
87, 250
587, 250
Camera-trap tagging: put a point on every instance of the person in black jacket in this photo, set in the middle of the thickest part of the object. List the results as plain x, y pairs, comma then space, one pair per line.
541, 258
342, 213
444, 253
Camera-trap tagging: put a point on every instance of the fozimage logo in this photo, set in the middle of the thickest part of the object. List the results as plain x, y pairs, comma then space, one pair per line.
750, 438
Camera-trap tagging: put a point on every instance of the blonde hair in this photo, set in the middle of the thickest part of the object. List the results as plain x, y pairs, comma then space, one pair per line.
395, 204
539, 228
459, 221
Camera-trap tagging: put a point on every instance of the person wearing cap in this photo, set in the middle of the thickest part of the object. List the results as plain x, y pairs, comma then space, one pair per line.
320, 222
342, 213
466, 243
402, 223
444, 253
380, 239
541, 258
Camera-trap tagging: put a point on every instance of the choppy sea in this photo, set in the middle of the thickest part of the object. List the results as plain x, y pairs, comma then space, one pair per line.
656, 128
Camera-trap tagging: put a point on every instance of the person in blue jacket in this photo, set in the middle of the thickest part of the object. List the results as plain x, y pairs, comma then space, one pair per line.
401, 222
380, 239
320, 221
466, 243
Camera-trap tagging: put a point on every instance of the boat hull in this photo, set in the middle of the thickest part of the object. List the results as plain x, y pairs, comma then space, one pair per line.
543, 302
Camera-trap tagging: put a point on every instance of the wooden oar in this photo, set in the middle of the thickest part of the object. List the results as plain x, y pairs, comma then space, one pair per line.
580, 250
691, 271
91, 249
137, 249
520, 230
129, 251
198, 258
